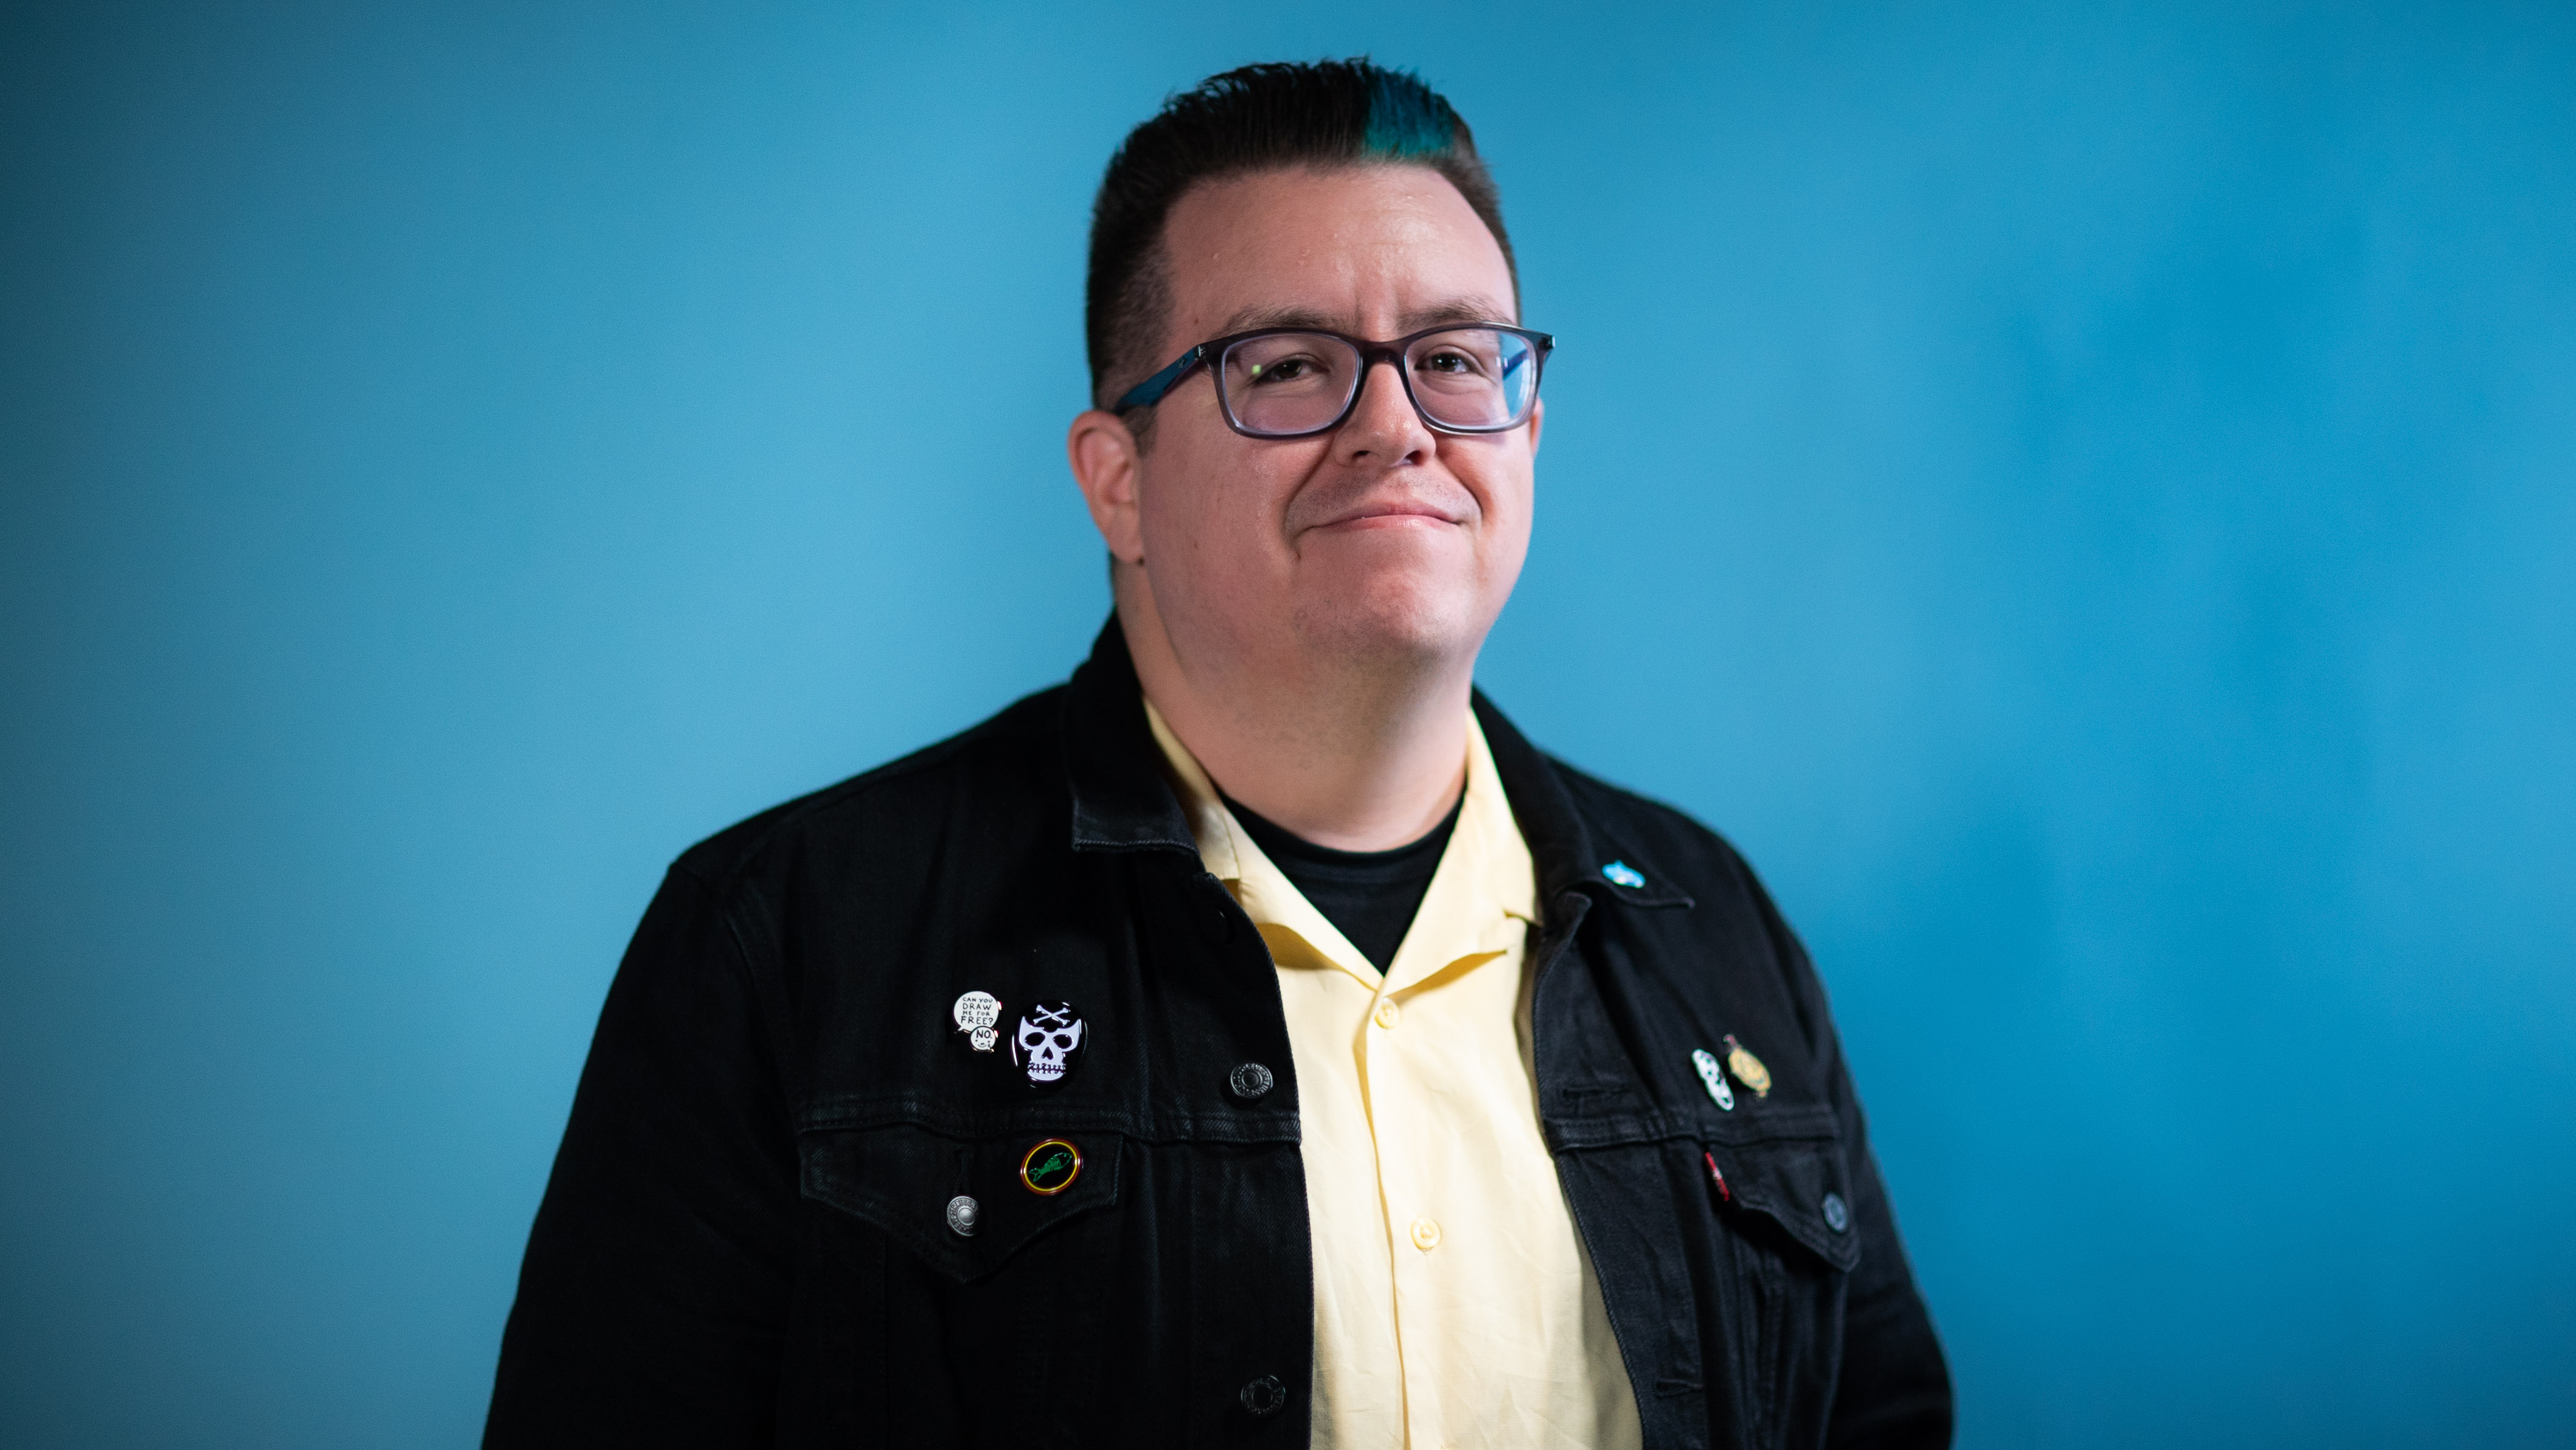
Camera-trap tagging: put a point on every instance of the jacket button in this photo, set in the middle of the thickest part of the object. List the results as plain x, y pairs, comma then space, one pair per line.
1837, 1217
1386, 1014
962, 1213
1249, 1080
1265, 1396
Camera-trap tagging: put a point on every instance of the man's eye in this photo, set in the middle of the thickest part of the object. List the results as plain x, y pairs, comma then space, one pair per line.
1449, 362
1287, 369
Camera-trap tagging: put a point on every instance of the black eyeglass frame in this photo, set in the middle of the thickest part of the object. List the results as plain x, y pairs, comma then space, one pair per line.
1212, 353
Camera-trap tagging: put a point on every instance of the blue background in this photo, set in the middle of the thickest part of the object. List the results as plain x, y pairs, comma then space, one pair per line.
2085, 495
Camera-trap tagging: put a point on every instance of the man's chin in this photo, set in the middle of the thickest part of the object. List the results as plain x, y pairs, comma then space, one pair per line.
1394, 622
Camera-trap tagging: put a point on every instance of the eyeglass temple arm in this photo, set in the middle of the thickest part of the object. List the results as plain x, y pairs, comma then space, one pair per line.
1151, 391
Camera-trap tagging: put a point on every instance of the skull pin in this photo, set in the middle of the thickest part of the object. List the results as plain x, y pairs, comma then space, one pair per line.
1050, 1036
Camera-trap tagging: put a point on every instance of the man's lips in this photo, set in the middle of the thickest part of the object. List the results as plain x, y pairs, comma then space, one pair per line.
1389, 515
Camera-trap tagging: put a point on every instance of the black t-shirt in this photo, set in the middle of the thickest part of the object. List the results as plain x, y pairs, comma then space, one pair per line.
1369, 896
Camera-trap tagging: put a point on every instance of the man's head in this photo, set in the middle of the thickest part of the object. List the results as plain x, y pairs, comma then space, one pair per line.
1337, 196
1325, 116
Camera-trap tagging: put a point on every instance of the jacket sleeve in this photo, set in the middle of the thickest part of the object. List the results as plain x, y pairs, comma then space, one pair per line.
655, 1292
1894, 1389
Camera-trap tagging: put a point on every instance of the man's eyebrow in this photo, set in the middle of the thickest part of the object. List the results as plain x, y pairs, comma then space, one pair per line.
1253, 319
1471, 308
1459, 309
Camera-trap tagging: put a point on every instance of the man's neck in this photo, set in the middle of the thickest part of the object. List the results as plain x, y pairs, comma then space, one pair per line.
1355, 759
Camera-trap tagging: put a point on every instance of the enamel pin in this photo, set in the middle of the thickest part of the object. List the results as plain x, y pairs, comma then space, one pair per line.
1747, 1068
1710, 1074
1050, 1167
1049, 1040
975, 1014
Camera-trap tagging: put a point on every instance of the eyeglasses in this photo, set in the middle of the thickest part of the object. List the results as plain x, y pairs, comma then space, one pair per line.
1285, 382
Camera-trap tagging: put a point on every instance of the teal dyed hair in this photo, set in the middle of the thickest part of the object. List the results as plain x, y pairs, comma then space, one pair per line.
1407, 119
1258, 118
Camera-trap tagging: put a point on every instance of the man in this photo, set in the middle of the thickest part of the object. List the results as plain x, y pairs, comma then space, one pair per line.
1255, 1040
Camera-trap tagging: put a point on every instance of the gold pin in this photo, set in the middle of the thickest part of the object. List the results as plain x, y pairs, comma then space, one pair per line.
1747, 1068
1050, 1167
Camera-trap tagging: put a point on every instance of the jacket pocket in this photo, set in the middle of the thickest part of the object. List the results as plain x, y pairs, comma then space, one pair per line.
993, 1325
902, 1180
1784, 1268
1791, 1171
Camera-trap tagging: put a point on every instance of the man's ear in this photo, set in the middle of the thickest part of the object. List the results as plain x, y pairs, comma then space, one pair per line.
1538, 419
1103, 455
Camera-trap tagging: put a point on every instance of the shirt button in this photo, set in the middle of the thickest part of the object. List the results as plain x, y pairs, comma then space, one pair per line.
1426, 1235
1837, 1217
1248, 1081
1386, 1014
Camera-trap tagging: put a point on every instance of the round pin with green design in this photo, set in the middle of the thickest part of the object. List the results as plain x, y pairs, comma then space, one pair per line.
1050, 1167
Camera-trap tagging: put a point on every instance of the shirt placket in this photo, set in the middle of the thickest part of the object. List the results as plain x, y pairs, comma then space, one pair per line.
1470, 920
1402, 1047
1394, 1099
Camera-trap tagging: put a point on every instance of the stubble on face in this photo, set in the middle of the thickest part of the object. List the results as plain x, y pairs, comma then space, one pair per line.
1385, 575
1383, 549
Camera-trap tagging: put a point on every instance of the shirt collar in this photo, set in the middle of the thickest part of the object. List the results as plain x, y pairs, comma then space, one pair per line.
1122, 801
1482, 896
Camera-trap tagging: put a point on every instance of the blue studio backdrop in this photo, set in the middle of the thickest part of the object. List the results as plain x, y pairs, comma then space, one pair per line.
2085, 495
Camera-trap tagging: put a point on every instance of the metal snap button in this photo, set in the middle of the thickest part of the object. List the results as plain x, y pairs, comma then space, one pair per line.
962, 1214
1837, 1217
1249, 1080
1264, 1396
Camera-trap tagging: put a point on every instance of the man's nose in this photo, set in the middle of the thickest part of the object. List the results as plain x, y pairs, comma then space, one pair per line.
1383, 424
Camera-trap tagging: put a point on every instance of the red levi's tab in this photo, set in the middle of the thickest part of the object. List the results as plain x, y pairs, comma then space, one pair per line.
1717, 1178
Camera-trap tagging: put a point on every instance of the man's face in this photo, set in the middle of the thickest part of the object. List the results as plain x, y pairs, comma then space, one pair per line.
1382, 539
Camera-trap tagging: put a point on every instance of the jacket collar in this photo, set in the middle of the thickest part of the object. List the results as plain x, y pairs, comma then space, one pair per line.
1121, 802
1572, 847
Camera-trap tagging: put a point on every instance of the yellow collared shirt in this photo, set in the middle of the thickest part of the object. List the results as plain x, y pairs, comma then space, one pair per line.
1454, 1304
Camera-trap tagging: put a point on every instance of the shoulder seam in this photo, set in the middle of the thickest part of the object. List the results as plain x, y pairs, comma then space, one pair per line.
779, 818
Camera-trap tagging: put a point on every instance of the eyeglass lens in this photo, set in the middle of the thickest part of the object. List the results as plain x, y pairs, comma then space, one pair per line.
1473, 378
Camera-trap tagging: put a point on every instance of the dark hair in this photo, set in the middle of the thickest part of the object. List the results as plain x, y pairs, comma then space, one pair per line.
1258, 118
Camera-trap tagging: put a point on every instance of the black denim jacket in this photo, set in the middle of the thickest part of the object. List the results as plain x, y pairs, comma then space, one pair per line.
746, 1239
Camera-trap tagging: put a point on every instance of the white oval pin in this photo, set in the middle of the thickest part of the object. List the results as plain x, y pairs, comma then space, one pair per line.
1715, 1076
